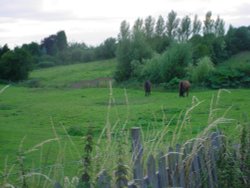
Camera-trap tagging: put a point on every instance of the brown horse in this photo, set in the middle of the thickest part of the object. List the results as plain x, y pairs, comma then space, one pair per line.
147, 88
184, 86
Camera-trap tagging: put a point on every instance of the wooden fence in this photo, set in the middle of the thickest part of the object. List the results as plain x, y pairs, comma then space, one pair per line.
190, 165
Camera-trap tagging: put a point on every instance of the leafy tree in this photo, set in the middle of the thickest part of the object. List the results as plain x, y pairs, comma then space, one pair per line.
160, 27
208, 24
160, 41
138, 26
61, 41
200, 72
15, 65
219, 27
172, 25
184, 30
140, 49
175, 60
149, 27
49, 44
196, 25
123, 70
107, 49
4, 49
33, 48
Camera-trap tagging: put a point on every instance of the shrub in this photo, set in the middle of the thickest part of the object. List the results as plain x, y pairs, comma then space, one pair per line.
151, 70
199, 74
175, 60
172, 84
15, 65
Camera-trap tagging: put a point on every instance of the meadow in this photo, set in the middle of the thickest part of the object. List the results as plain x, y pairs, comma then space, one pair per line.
54, 109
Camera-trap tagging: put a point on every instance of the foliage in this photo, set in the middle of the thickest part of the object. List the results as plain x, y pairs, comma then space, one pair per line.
175, 60
228, 167
4, 49
132, 47
200, 73
172, 25
237, 39
232, 75
107, 49
151, 70
15, 65
172, 84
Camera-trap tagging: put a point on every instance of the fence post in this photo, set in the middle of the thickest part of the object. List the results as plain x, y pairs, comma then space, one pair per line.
163, 173
103, 180
57, 185
152, 175
137, 151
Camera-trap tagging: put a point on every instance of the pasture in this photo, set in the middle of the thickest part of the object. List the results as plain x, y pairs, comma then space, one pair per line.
55, 109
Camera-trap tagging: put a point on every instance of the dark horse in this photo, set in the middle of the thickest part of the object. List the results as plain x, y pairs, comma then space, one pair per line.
184, 86
147, 88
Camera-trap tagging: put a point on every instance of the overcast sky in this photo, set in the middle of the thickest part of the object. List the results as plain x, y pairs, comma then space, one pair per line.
92, 21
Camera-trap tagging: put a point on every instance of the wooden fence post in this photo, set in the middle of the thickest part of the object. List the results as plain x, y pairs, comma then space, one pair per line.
163, 173
103, 180
152, 176
137, 152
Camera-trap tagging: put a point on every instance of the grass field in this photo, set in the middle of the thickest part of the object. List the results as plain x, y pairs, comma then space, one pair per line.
38, 114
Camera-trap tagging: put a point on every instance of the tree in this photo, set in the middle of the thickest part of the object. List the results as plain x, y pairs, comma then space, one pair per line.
184, 30
4, 49
149, 27
50, 45
61, 41
172, 25
175, 60
160, 27
124, 31
107, 49
15, 65
219, 27
33, 48
208, 24
123, 70
196, 25
161, 41
238, 39
138, 26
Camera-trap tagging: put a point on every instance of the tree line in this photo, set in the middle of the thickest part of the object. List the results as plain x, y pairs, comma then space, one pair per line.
53, 50
163, 50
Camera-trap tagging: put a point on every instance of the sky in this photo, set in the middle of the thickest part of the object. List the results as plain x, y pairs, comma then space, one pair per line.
93, 21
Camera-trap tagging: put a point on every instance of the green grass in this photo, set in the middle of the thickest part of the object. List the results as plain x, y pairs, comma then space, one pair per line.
64, 76
36, 113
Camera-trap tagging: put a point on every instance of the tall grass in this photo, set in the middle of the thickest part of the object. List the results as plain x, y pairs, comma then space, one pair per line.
106, 150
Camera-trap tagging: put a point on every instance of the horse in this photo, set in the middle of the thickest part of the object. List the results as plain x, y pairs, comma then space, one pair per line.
147, 88
184, 86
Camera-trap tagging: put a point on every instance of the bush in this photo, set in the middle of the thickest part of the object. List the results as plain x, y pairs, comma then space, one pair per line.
172, 84
151, 70
175, 60
15, 65
233, 76
199, 74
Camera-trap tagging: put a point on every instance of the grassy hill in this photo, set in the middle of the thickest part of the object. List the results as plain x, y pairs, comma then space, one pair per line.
65, 76
29, 116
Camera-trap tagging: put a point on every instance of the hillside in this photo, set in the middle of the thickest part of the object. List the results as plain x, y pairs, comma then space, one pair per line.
67, 75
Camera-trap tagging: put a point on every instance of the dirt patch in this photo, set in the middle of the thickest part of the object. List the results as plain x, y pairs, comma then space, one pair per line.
98, 82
